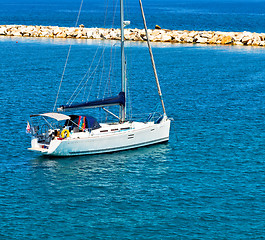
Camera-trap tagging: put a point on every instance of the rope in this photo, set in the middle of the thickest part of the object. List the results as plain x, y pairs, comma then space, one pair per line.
112, 60
67, 58
83, 84
102, 73
86, 80
152, 58
88, 71
109, 75
87, 74
106, 11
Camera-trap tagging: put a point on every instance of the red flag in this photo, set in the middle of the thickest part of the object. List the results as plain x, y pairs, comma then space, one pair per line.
28, 127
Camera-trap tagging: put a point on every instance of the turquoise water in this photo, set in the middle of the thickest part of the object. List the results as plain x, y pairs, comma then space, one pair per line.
207, 182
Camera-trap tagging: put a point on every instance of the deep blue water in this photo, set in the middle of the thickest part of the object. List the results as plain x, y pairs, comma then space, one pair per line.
229, 15
206, 183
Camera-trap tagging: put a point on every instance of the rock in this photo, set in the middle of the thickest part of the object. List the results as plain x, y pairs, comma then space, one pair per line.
256, 37
156, 32
227, 40
245, 39
3, 31
34, 34
23, 30
238, 43
136, 37
56, 31
45, 33
84, 37
256, 43
175, 35
88, 32
201, 40
95, 35
213, 40
238, 37
176, 40
37, 28
165, 37
206, 35
192, 34
189, 40
113, 35
250, 42
157, 27
183, 37
16, 33
61, 35
79, 35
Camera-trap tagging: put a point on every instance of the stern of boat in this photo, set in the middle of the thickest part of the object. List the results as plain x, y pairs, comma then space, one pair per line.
38, 147
44, 148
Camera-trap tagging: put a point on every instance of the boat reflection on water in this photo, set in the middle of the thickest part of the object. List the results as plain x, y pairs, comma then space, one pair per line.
131, 160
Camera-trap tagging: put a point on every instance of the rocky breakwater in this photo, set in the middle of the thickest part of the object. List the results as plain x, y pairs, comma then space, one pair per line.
156, 35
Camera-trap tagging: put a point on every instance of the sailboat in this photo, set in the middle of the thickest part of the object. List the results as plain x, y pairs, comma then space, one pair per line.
73, 135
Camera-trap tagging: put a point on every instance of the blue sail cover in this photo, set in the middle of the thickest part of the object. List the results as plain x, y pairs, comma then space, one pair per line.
118, 100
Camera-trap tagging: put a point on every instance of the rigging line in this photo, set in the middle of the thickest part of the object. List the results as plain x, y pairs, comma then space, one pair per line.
80, 8
110, 67
62, 78
85, 85
129, 102
102, 73
115, 11
152, 58
103, 63
112, 59
94, 74
106, 13
113, 20
88, 78
111, 52
79, 13
91, 85
70, 102
84, 93
88, 71
109, 86
128, 57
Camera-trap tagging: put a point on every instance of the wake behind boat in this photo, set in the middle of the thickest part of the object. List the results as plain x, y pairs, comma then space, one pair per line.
81, 134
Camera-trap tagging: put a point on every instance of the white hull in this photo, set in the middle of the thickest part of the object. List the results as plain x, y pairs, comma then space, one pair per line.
108, 138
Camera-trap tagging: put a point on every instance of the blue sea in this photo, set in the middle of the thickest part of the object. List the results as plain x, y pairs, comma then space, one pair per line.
207, 182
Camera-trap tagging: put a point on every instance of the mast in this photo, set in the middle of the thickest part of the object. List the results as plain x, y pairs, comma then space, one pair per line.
123, 77
152, 59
